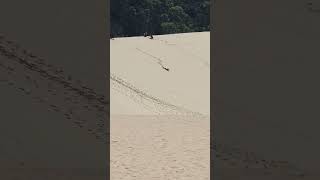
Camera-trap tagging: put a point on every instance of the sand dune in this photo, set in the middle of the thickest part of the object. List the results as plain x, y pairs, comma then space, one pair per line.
140, 61
160, 107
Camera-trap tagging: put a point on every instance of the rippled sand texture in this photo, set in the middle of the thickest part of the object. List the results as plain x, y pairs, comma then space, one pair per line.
83, 110
160, 121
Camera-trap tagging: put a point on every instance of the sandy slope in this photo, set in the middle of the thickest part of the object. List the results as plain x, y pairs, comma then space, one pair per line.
160, 119
138, 61
159, 147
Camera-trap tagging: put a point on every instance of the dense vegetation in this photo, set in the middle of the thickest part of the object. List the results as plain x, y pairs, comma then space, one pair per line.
134, 17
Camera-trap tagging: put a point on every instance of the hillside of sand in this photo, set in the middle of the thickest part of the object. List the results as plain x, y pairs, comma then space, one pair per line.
160, 107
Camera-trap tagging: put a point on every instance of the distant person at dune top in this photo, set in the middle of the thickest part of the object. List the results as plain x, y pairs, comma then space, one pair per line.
151, 37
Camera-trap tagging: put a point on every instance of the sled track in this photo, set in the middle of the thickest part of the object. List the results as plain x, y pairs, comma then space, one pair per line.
148, 101
50, 85
159, 61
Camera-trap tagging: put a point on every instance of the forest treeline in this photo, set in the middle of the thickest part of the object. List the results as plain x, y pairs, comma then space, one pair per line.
134, 17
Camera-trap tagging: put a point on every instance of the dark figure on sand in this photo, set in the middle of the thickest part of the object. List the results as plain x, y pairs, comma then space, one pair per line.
167, 69
146, 34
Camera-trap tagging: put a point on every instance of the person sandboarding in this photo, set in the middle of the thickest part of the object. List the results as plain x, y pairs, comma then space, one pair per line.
167, 69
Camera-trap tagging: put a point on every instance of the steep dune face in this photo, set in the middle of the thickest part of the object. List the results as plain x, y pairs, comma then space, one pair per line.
174, 68
160, 95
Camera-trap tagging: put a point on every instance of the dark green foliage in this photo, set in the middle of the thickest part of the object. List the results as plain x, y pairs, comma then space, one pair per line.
134, 17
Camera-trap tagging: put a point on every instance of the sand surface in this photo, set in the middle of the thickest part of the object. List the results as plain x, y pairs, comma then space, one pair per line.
159, 147
160, 119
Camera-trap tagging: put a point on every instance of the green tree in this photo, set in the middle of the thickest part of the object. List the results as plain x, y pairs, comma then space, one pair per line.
134, 17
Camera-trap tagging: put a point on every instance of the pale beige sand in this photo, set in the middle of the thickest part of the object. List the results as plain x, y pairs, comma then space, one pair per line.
187, 84
160, 120
159, 147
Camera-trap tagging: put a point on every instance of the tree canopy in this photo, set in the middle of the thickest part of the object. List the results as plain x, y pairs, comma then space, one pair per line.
134, 17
